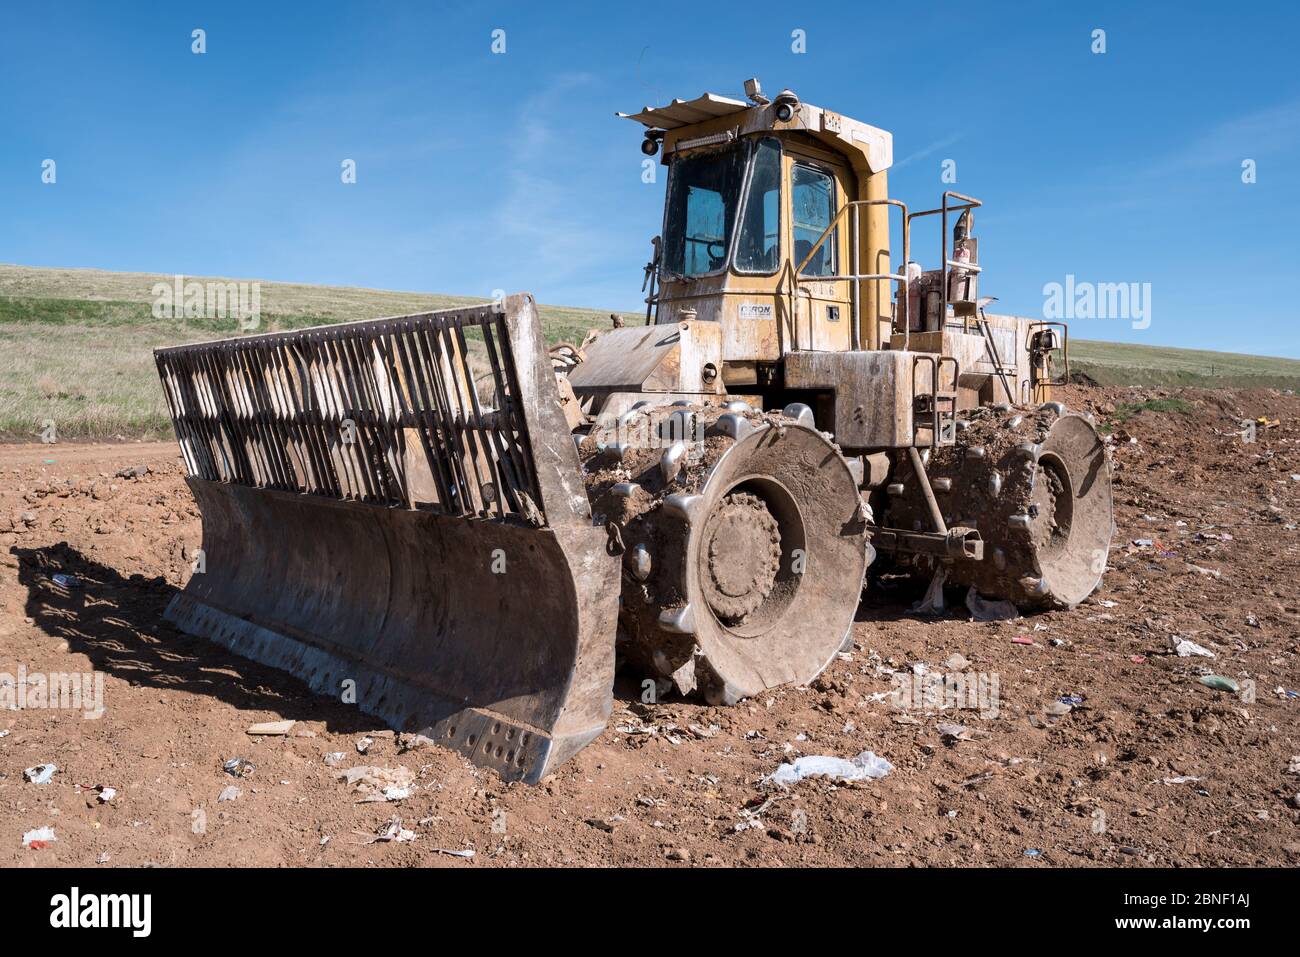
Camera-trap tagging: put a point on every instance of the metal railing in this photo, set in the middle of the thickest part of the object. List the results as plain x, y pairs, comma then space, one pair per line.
966, 202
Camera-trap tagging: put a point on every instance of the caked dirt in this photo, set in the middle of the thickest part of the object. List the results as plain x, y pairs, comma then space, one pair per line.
1102, 746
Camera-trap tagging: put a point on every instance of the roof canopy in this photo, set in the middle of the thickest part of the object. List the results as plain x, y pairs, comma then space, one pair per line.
685, 112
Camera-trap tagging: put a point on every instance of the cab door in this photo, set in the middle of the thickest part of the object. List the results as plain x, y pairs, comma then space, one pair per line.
817, 187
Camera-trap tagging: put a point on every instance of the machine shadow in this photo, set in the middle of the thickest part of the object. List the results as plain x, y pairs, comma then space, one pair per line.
117, 623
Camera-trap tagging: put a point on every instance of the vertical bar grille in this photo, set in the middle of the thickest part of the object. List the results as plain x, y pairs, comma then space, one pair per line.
404, 411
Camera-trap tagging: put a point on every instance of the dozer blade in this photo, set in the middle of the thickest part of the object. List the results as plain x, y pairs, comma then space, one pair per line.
400, 531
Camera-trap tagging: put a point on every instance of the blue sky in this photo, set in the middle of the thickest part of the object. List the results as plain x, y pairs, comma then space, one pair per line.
478, 171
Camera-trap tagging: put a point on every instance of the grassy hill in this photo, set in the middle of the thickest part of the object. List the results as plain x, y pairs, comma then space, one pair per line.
76, 346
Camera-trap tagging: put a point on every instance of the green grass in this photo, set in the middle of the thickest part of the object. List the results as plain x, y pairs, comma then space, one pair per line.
1116, 363
76, 346
1127, 410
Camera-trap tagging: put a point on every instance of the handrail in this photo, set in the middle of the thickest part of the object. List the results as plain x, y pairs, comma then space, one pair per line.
856, 277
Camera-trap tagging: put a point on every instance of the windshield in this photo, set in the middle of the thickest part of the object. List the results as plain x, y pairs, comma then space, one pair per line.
703, 193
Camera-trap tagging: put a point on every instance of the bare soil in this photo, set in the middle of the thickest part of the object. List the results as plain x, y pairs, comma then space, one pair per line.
1144, 765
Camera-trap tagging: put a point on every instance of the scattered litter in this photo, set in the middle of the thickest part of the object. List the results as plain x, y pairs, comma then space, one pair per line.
391, 830
1184, 648
1143, 542
1205, 571
1107, 603
239, 767
1294, 766
468, 852
272, 727
38, 838
4, 734
379, 784
65, 581
1137, 659
1253, 622
1219, 683
1022, 640
364, 745
1033, 852
865, 765
952, 733
332, 758
1073, 699
956, 662
41, 774
981, 609
932, 602
102, 858
1058, 709
105, 794
229, 794
1182, 779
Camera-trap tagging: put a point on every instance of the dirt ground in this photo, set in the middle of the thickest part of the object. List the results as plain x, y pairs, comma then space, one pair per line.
1142, 765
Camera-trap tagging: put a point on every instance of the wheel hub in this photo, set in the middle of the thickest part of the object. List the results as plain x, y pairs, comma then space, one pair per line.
741, 556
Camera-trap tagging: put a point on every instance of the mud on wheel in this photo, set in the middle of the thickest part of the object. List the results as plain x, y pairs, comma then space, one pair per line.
743, 567
1035, 482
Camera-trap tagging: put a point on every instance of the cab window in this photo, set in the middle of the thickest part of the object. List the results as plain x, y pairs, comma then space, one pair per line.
703, 195
812, 197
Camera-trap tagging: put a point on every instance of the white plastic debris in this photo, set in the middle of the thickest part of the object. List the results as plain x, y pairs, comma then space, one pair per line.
106, 794
379, 784
932, 602
1186, 649
1182, 779
453, 853
865, 765
229, 794
41, 774
39, 834
392, 830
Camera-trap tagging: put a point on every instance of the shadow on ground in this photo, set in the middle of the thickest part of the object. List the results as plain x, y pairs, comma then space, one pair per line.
117, 623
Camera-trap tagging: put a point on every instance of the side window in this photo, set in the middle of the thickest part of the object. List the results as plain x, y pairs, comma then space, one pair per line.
812, 196
758, 249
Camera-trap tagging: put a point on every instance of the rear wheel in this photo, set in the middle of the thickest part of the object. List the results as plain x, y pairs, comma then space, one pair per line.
1036, 484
